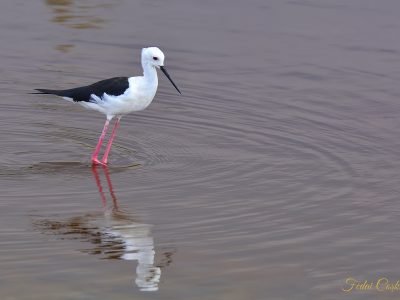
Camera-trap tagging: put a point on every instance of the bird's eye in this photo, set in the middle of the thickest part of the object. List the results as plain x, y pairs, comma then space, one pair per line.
155, 57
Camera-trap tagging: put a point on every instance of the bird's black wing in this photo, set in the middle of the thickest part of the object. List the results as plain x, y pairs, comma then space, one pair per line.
114, 86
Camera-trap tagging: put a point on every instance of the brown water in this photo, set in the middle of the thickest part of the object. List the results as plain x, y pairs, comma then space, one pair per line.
275, 176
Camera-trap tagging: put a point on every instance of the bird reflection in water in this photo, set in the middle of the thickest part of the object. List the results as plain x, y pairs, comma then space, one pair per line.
114, 234
136, 237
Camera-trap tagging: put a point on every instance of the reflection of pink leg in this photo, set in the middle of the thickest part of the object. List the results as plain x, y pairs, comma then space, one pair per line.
95, 154
110, 187
100, 188
105, 156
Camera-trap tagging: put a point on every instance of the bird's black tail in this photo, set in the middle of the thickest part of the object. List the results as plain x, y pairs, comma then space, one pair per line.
46, 92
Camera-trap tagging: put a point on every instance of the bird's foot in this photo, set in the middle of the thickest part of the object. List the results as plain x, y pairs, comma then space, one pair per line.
95, 161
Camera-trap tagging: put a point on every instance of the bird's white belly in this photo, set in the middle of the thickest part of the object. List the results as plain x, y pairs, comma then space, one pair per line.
126, 103
140, 103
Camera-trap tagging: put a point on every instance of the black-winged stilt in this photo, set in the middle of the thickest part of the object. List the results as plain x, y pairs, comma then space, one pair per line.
118, 96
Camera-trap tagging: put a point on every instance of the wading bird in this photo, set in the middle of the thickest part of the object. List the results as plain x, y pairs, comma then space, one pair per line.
118, 96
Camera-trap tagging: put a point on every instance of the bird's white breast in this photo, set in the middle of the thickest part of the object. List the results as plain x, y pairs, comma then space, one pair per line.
140, 93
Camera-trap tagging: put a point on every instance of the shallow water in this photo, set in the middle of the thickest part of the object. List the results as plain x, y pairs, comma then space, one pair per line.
274, 176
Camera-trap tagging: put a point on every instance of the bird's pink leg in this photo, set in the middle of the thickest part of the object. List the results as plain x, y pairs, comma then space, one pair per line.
95, 160
105, 156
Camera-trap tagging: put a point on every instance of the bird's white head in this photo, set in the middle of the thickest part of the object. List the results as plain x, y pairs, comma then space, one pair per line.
152, 56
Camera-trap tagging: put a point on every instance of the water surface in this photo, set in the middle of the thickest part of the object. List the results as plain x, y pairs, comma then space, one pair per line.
274, 176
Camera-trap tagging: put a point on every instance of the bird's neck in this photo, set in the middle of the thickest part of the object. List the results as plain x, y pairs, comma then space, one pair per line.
150, 73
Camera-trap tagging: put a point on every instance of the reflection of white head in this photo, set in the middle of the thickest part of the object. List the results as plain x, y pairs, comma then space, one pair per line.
139, 245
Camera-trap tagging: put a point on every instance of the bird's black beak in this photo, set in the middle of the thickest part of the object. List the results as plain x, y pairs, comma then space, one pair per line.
169, 77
